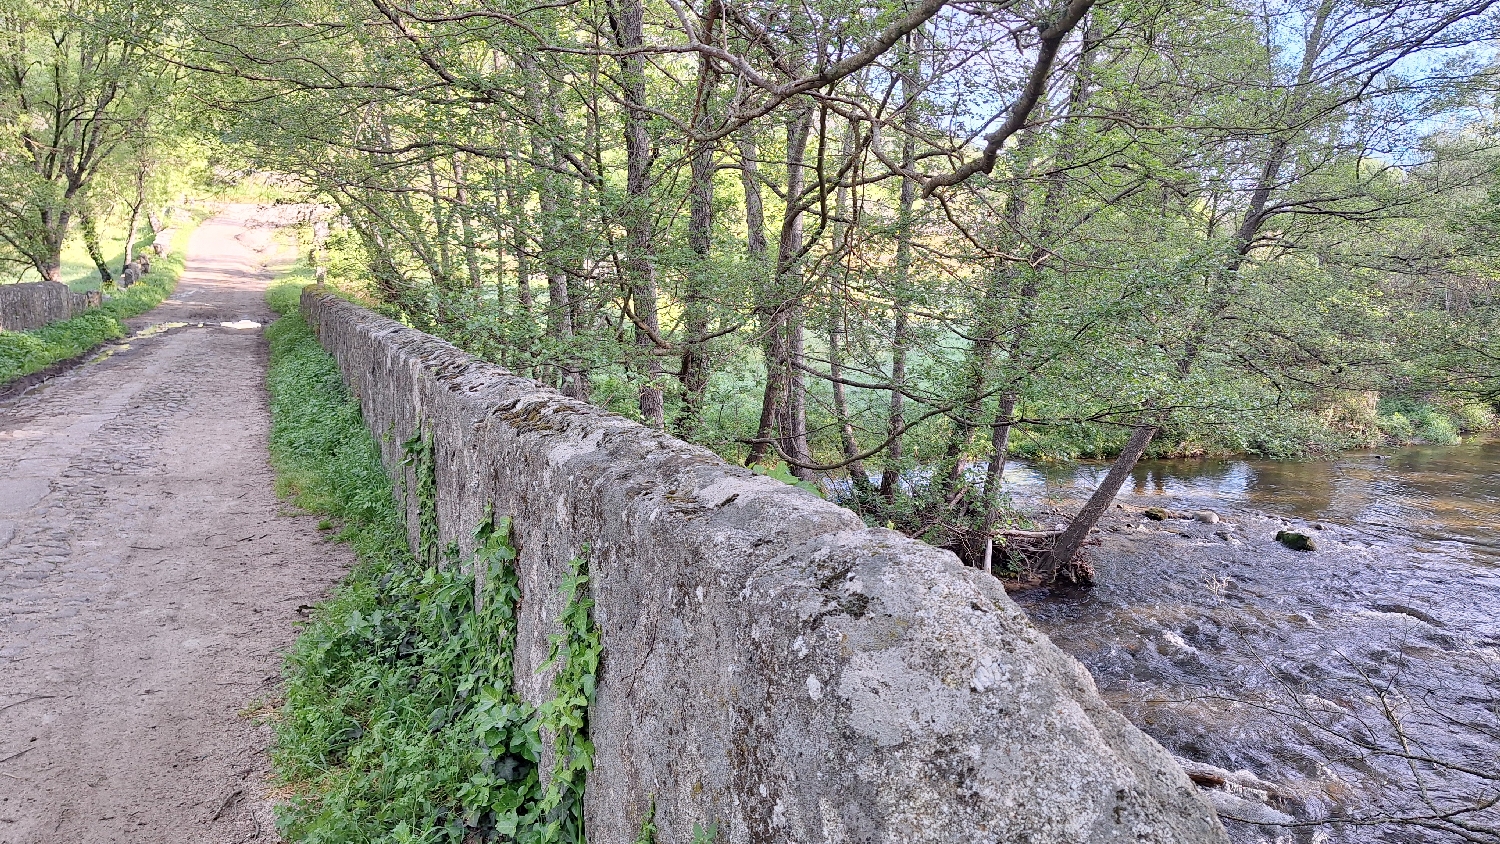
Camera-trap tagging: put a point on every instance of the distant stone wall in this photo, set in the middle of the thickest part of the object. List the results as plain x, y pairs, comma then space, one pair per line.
85, 300
134, 271
770, 664
34, 304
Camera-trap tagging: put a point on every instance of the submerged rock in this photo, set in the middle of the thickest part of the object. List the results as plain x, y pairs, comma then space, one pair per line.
1238, 794
1296, 541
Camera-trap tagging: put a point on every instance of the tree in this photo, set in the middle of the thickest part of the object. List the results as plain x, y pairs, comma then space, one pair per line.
75, 83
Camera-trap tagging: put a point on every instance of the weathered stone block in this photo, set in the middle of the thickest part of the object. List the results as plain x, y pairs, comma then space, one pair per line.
770, 664
33, 304
81, 302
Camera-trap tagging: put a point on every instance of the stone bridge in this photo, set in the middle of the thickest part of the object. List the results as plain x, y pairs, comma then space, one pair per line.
771, 664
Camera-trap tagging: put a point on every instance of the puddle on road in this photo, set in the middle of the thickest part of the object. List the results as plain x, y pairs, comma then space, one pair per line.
153, 330
109, 351
241, 324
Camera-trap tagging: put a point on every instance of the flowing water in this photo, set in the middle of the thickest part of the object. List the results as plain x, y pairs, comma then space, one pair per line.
1360, 681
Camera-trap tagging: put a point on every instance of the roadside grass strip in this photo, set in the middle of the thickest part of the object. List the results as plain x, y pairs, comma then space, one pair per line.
400, 722
25, 352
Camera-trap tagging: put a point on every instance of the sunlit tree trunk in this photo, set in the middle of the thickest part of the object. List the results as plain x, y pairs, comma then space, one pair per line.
91, 243
639, 264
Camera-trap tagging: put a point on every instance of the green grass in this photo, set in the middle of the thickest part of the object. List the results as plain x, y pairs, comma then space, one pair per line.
78, 270
285, 294
400, 723
25, 352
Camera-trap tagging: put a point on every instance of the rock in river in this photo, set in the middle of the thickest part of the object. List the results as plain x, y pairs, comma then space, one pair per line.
1296, 541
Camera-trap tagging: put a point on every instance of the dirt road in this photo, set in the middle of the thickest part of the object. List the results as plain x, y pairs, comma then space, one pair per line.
149, 578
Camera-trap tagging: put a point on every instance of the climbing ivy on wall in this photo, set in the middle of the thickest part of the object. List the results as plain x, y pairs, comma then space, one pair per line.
575, 654
418, 456
401, 723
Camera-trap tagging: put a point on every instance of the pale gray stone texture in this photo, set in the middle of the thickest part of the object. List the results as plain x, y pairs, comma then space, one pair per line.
771, 665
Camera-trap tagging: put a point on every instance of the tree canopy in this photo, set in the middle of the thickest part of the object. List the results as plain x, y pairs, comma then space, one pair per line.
882, 245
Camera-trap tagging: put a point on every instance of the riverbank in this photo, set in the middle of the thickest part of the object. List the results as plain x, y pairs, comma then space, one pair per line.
1356, 681
1356, 422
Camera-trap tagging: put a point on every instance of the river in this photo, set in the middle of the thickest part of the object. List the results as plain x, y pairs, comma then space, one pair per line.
1359, 681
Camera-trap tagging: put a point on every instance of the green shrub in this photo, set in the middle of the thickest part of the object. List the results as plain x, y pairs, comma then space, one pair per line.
1433, 425
1398, 427
1472, 418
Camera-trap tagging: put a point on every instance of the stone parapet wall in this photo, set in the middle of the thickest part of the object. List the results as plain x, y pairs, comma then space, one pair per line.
34, 304
771, 665
83, 301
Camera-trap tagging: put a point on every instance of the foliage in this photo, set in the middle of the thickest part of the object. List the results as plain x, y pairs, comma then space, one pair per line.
574, 654
78, 91
647, 835
1405, 419
1200, 226
401, 723
25, 352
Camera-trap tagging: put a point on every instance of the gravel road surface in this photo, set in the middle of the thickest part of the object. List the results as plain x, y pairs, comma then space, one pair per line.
149, 578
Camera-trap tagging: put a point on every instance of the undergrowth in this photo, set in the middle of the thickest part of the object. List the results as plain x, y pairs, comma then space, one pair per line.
400, 722
25, 352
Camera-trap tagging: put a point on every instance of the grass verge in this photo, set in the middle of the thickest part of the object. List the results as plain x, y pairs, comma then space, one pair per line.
400, 723
25, 352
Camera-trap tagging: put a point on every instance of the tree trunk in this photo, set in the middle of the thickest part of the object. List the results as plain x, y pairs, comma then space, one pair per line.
639, 265
999, 449
792, 425
909, 61
1078, 530
783, 414
838, 324
96, 254
693, 367
563, 370
48, 262
130, 233
847, 440
467, 231
896, 415
520, 245
994, 473
756, 248
319, 253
